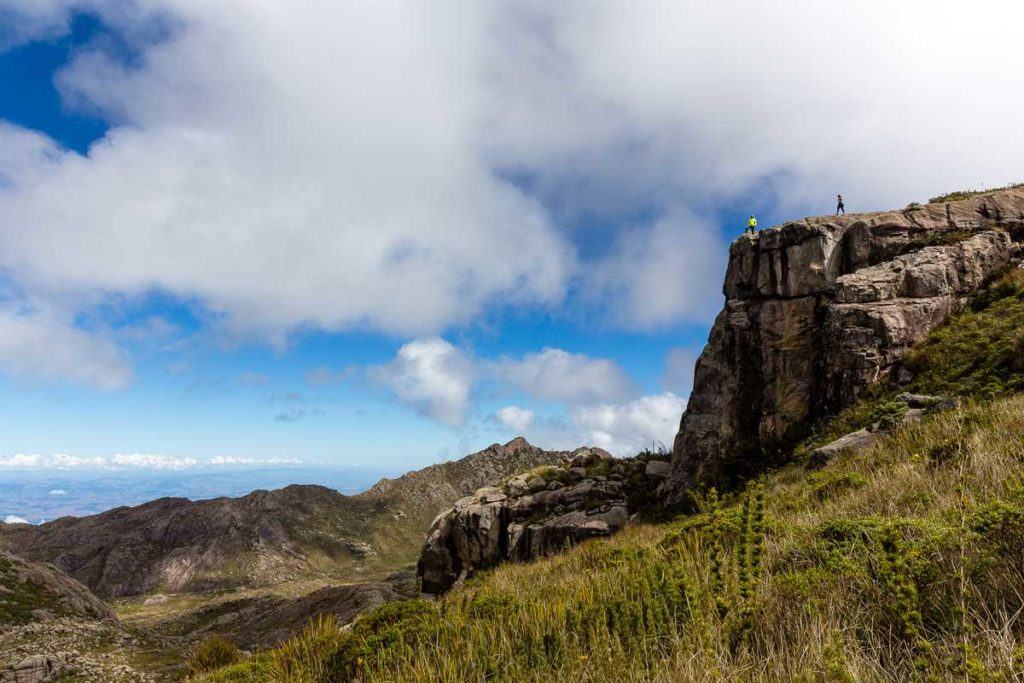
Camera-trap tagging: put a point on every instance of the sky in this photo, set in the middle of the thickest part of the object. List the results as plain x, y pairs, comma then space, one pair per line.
385, 234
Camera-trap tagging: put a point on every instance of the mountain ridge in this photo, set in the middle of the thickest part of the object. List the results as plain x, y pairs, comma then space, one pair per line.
175, 544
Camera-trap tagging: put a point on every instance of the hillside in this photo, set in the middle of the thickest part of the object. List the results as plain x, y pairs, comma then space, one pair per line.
175, 545
895, 561
32, 591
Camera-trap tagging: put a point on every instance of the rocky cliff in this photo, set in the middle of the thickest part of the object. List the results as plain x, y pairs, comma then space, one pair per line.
820, 309
536, 513
179, 545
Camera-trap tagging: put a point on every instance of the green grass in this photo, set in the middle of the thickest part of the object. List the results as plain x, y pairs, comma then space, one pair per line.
978, 353
212, 652
967, 194
901, 562
19, 598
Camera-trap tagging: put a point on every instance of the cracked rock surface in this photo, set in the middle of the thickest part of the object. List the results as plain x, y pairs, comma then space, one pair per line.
820, 309
536, 513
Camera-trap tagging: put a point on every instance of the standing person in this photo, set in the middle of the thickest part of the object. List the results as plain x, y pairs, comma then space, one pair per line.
752, 225
840, 206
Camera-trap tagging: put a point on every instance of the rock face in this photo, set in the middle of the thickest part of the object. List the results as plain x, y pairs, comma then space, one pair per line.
818, 310
31, 591
179, 545
535, 514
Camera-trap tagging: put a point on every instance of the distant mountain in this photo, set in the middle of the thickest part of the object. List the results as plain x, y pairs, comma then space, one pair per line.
40, 496
265, 537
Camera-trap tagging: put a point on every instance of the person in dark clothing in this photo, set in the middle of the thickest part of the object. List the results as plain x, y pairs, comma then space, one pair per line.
840, 206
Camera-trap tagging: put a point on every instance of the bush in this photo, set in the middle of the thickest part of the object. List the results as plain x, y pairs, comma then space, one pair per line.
212, 652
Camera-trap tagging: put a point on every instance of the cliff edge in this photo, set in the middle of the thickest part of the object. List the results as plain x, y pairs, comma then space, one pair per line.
820, 309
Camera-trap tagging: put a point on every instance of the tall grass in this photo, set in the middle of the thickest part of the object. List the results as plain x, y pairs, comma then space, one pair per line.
903, 562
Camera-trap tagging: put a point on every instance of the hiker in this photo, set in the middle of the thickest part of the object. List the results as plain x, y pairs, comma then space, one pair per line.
752, 226
840, 206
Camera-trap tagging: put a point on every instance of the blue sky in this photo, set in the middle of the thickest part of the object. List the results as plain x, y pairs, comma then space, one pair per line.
376, 235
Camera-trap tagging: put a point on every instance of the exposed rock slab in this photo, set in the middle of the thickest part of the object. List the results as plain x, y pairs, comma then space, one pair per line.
818, 310
535, 514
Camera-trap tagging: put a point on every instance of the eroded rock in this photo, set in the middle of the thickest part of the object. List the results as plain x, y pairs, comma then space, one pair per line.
818, 310
535, 514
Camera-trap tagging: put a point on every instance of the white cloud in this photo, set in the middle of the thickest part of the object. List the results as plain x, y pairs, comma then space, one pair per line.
130, 461
702, 101
515, 418
628, 428
557, 375
230, 460
661, 273
679, 368
58, 492
346, 165
365, 202
432, 376
42, 346
14, 519
151, 461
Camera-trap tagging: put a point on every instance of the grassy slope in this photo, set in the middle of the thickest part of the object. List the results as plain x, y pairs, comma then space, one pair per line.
901, 562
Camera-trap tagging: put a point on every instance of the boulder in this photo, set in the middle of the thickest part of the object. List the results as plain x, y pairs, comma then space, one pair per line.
521, 520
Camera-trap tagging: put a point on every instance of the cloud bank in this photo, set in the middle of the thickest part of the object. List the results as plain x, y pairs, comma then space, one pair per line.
129, 461
405, 168
601, 404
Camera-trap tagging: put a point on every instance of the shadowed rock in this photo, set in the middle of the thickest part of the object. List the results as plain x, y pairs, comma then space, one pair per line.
817, 311
535, 514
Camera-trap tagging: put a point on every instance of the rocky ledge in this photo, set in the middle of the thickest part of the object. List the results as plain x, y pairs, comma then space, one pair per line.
820, 309
537, 513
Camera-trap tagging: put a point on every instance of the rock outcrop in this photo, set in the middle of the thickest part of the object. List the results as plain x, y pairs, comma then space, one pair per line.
31, 591
818, 310
536, 513
179, 545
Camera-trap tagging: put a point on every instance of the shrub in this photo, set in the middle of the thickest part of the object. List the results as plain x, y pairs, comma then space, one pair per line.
212, 652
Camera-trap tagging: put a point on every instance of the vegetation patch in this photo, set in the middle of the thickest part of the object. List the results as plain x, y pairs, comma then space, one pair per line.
212, 652
959, 195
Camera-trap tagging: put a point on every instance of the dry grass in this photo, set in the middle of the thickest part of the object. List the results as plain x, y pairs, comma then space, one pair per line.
902, 562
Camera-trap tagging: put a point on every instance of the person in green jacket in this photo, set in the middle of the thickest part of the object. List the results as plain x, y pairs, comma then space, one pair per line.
752, 226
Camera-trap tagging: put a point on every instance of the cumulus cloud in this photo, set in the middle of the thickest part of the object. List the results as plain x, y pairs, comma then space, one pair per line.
515, 418
628, 428
357, 109
236, 460
422, 163
58, 492
129, 461
432, 376
40, 345
14, 519
558, 375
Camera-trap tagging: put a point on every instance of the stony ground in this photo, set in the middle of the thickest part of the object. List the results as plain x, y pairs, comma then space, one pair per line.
85, 650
